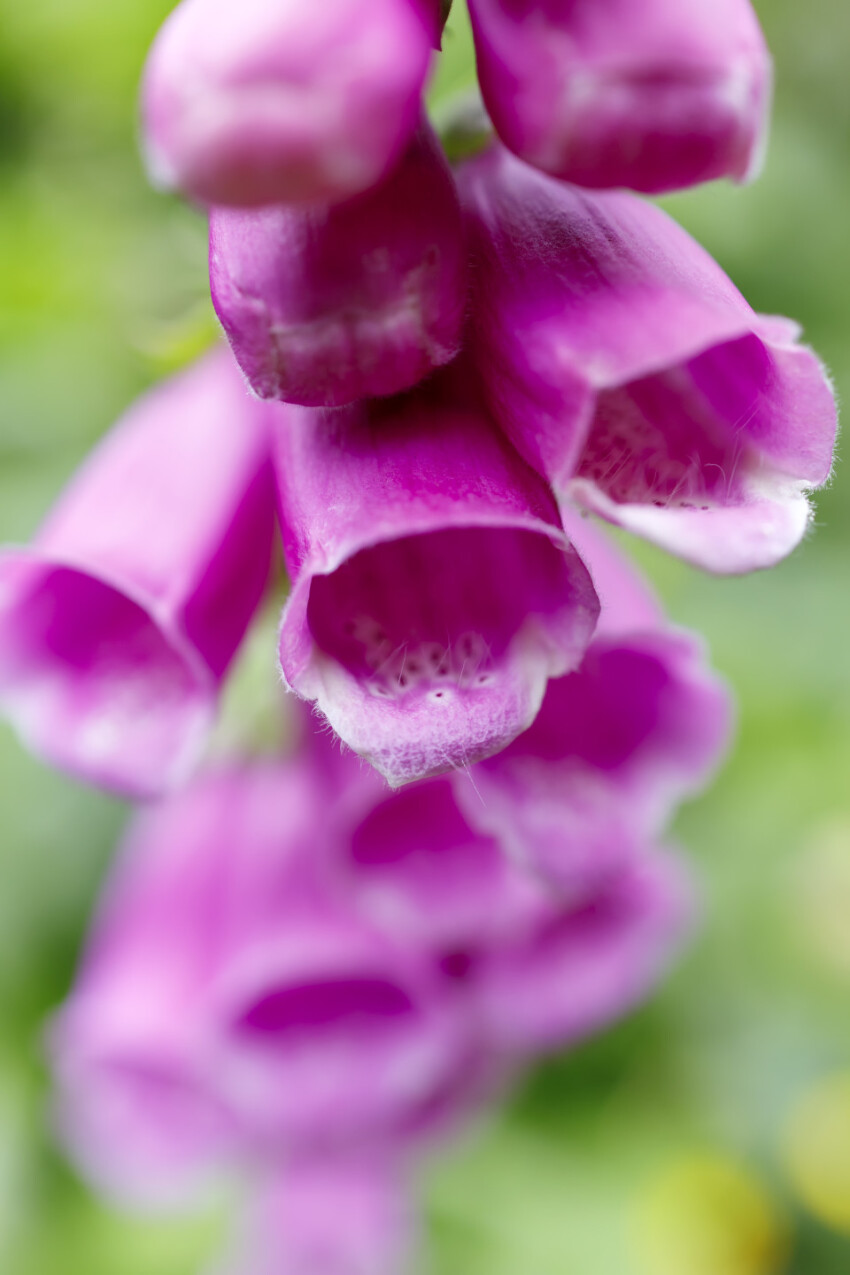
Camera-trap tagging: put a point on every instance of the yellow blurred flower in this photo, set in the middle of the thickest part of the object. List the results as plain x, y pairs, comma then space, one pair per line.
816, 1150
709, 1215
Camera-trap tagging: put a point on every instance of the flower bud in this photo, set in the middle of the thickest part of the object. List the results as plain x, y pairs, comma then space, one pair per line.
328, 304
275, 101
642, 93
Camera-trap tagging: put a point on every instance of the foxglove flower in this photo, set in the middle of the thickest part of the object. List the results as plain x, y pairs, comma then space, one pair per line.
328, 304
433, 590
413, 863
269, 101
578, 969
642, 93
328, 1216
630, 371
118, 623
228, 1004
616, 745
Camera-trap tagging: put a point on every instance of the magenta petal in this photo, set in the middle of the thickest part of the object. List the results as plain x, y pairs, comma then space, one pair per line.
627, 368
229, 1003
433, 590
586, 967
640, 93
617, 744
327, 305
119, 622
328, 1216
268, 102
414, 865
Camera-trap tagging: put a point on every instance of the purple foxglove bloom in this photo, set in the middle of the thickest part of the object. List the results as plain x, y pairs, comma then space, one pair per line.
616, 745
228, 1004
331, 1216
118, 623
580, 968
433, 591
272, 101
651, 94
329, 304
416, 867
629, 370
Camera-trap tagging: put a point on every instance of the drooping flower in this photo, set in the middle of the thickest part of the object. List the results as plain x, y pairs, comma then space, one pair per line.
228, 1005
433, 590
616, 746
580, 968
414, 864
270, 101
641, 93
349, 1215
118, 623
629, 370
327, 304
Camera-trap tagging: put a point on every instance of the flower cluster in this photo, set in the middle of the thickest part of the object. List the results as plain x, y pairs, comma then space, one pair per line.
295, 967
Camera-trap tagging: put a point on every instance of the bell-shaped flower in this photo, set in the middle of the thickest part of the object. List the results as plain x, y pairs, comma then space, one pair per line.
642, 93
272, 101
228, 1005
580, 968
617, 744
433, 590
118, 622
328, 304
412, 862
341, 1215
628, 369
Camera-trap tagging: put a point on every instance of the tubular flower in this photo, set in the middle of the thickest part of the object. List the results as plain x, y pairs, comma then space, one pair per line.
271, 102
578, 969
630, 371
616, 745
328, 304
433, 590
413, 863
642, 93
221, 978
327, 1216
118, 623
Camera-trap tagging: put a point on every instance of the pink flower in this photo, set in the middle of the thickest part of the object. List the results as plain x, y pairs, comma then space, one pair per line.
414, 864
642, 93
272, 101
433, 590
118, 623
229, 1005
328, 304
579, 968
629, 370
616, 746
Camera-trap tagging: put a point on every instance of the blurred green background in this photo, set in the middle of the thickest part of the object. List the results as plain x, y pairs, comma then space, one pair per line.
710, 1133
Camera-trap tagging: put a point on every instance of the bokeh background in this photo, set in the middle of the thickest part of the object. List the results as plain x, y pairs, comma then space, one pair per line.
710, 1133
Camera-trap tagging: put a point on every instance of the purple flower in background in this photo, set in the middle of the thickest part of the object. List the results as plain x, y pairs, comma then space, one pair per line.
433, 590
628, 369
325, 305
418, 868
228, 1004
651, 94
617, 744
272, 101
327, 1216
118, 623
577, 969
